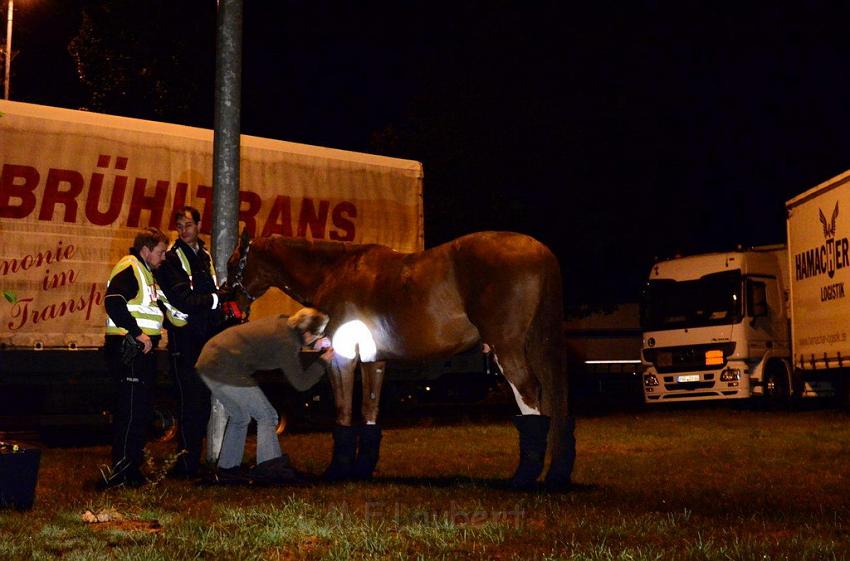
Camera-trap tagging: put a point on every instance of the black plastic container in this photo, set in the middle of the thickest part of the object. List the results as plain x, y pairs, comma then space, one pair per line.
18, 475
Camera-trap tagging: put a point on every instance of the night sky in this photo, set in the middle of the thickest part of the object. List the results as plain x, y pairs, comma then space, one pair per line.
615, 133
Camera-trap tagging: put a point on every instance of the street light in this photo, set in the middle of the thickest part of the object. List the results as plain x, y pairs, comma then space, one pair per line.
8, 54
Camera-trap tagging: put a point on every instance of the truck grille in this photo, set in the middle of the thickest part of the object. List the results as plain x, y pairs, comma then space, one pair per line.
689, 386
687, 358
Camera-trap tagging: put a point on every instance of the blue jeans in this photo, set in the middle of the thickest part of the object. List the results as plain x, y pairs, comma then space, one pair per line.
241, 404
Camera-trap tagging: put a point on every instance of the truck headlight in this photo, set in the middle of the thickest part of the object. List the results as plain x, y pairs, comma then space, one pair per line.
650, 380
730, 375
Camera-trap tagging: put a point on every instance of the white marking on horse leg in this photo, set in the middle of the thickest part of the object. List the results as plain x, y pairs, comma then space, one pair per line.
523, 408
353, 336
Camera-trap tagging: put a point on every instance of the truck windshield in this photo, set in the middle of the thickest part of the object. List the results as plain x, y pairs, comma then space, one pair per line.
711, 300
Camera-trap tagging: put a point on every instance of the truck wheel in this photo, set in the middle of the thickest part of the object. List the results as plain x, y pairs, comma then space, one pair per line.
164, 426
776, 390
281, 423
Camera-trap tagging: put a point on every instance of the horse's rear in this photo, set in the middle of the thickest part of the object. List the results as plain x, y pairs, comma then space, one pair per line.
511, 286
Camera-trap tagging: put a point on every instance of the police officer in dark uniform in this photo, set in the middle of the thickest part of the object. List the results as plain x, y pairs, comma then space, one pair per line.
135, 309
188, 279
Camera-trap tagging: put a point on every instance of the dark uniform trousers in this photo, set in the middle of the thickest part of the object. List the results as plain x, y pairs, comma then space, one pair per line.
185, 346
134, 404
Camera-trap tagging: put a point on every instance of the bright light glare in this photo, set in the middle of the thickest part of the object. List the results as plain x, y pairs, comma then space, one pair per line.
351, 335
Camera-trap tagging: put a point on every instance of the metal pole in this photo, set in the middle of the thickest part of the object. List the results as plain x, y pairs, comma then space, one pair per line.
228, 90
8, 53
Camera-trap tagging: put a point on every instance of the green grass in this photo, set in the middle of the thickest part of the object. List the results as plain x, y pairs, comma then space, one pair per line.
702, 484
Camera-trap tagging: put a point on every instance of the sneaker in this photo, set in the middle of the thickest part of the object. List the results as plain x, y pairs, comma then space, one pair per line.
230, 476
277, 471
188, 474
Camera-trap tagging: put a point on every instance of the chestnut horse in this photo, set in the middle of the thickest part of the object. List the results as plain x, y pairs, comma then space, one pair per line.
501, 289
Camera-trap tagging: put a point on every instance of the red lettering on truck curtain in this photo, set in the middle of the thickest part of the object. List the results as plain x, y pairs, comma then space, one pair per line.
247, 215
154, 203
345, 227
116, 200
11, 186
310, 218
280, 218
53, 195
179, 202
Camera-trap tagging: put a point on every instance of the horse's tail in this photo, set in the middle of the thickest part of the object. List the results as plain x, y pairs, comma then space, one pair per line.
550, 366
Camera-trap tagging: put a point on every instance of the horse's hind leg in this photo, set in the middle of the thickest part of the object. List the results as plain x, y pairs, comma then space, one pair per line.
533, 427
341, 375
370, 433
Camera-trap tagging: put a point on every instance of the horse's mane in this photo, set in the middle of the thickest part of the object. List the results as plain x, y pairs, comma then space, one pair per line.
318, 249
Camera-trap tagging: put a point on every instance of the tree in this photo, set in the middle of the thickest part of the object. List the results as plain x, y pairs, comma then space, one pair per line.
151, 59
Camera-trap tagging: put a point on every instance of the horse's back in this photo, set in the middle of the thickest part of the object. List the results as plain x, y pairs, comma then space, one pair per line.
506, 256
505, 280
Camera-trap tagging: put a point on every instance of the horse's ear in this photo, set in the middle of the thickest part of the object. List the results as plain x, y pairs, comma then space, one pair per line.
245, 239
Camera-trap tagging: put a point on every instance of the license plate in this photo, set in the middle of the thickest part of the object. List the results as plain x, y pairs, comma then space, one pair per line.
687, 378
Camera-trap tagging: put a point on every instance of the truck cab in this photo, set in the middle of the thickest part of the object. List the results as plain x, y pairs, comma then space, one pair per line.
715, 326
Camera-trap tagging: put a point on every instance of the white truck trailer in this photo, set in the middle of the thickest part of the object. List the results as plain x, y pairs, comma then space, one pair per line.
819, 263
769, 321
76, 186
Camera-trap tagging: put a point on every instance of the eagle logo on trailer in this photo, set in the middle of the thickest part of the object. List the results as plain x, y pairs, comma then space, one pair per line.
828, 228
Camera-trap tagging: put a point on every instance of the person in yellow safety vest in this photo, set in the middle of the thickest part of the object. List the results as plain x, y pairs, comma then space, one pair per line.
135, 309
188, 279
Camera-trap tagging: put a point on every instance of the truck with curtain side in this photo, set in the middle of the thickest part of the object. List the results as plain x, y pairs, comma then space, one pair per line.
75, 187
769, 322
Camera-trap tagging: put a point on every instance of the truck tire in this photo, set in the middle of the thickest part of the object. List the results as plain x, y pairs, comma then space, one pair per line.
281, 422
164, 425
777, 390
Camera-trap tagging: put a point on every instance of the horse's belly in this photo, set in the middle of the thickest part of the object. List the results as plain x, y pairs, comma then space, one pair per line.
425, 340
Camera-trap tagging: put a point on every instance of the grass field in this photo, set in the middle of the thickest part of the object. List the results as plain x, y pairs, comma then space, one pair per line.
692, 483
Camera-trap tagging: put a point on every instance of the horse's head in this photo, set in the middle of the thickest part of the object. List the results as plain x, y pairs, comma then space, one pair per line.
295, 266
240, 275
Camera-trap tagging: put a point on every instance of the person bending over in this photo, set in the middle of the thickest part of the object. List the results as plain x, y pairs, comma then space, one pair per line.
227, 364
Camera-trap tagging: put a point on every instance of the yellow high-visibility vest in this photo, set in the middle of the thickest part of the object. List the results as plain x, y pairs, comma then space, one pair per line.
143, 307
184, 262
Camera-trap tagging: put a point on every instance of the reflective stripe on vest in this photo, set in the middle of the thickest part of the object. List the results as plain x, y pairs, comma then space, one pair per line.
143, 306
175, 316
184, 262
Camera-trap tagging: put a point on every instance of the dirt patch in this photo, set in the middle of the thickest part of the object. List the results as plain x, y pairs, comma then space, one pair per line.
146, 526
111, 519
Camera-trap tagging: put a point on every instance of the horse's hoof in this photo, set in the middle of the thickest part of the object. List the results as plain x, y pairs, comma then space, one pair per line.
344, 451
525, 485
337, 474
558, 485
367, 453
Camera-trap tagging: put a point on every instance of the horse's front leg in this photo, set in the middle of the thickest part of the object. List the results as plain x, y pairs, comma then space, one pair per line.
341, 375
370, 433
